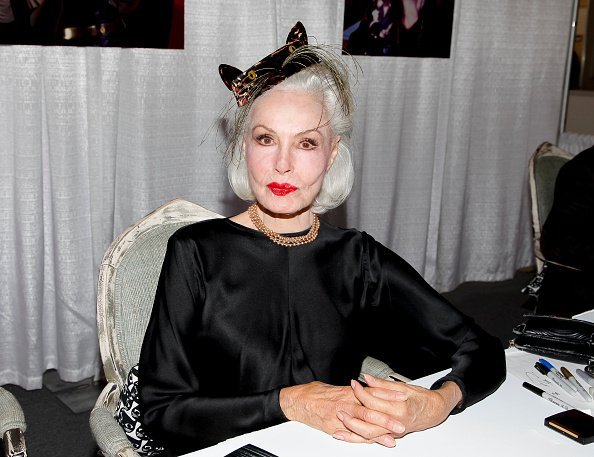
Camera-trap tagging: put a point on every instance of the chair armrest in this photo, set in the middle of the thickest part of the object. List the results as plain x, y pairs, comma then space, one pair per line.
12, 425
128, 452
108, 434
381, 370
14, 443
11, 413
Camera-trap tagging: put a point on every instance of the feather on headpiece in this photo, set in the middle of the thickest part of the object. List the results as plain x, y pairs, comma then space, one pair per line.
269, 71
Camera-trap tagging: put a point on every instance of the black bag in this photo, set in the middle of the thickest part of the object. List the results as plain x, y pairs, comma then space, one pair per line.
561, 338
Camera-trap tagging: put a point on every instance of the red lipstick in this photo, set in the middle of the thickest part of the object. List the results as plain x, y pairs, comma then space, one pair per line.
281, 189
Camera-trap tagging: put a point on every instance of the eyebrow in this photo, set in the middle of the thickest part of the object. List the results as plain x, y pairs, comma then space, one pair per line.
305, 132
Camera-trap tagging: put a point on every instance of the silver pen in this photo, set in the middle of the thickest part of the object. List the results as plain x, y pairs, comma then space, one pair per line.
585, 395
585, 376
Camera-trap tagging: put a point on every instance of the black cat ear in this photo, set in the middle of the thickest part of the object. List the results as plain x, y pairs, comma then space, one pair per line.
269, 71
297, 33
228, 74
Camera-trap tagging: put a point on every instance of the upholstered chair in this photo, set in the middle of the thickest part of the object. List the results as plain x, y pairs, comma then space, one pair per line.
543, 169
12, 425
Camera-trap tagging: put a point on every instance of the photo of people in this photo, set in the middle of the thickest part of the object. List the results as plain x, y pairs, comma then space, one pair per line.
411, 28
114, 23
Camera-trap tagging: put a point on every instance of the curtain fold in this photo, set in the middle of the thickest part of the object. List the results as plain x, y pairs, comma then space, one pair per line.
505, 99
92, 139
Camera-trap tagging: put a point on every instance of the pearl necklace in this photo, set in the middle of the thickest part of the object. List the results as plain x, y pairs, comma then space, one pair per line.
287, 241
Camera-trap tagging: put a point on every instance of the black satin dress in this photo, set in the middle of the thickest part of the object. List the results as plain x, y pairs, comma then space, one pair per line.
237, 317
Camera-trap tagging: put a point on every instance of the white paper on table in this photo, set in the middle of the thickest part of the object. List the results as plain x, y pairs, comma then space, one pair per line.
521, 365
587, 316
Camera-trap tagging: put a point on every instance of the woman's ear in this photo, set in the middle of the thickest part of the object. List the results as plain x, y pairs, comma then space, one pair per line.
334, 153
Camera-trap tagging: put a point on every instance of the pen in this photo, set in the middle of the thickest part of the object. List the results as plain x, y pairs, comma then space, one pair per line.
546, 396
585, 376
558, 374
585, 395
549, 374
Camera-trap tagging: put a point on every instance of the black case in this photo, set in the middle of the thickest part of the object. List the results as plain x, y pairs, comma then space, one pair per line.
249, 450
558, 337
574, 424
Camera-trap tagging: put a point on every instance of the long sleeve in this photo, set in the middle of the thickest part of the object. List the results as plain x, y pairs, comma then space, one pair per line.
184, 408
413, 318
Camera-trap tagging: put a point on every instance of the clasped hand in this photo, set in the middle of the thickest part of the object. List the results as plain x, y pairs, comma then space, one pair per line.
379, 413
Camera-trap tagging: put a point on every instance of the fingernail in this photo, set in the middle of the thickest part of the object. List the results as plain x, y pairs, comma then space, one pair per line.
388, 441
398, 428
337, 436
340, 415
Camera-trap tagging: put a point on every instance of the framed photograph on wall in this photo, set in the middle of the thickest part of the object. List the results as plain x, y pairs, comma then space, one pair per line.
113, 23
411, 28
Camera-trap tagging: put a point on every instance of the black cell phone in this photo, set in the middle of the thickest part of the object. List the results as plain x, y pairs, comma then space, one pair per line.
249, 450
574, 424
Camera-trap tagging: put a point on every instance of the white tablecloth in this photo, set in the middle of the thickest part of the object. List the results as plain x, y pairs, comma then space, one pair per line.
508, 423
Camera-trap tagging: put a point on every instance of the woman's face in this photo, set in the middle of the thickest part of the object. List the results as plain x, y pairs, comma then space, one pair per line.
289, 148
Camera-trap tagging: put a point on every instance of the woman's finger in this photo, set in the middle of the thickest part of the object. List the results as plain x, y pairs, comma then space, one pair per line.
389, 394
379, 399
371, 431
370, 423
350, 437
397, 386
347, 435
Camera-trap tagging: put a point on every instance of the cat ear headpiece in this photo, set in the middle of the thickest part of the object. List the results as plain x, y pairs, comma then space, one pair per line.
269, 71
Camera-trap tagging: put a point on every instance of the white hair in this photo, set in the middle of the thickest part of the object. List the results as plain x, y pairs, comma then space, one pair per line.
331, 86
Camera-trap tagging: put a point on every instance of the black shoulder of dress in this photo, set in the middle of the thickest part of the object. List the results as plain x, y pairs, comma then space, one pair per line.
204, 228
334, 230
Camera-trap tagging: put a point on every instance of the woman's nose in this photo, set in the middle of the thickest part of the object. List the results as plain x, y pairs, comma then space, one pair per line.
283, 162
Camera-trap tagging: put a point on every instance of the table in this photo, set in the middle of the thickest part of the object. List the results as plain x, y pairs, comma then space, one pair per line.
507, 423
585, 316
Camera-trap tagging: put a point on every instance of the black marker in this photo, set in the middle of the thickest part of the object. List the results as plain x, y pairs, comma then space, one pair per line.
546, 396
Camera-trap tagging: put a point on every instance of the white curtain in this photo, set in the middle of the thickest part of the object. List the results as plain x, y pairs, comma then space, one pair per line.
92, 139
575, 143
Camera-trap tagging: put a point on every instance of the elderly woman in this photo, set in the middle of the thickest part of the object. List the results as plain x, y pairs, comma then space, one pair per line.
267, 316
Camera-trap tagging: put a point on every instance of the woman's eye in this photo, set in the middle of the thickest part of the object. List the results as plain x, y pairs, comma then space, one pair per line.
308, 144
264, 140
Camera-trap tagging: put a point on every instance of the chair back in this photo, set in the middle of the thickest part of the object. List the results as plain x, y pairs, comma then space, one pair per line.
128, 279
544, 166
